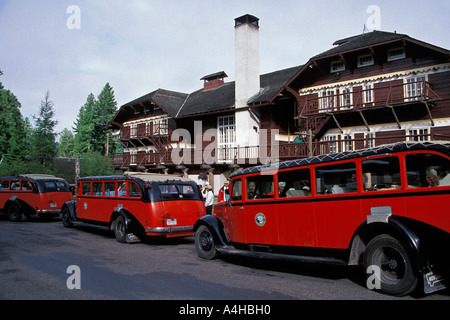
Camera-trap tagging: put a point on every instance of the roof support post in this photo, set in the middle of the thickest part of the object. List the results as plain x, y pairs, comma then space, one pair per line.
429, 112
335, 121
395, 116
363, 119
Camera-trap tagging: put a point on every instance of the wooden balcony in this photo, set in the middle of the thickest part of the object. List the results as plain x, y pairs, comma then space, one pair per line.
391, 94
257, 155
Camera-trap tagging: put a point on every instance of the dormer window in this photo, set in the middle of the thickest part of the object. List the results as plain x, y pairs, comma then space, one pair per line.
365, 60
337, 66
396, 54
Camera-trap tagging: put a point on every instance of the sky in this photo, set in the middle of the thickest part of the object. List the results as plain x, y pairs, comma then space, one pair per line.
71, 48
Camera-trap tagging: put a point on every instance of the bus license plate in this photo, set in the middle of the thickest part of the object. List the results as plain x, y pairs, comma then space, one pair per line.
171, 222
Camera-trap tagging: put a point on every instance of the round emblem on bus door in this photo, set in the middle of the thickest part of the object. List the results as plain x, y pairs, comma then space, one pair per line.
85, 206
260, 219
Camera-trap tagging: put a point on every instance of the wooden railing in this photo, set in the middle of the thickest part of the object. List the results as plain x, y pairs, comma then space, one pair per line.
256, 155
382, 94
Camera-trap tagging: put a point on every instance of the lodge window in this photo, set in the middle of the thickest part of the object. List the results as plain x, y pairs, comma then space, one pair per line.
414, 88
326, 102
347, 143
260, 187
427, 170
296, 183
381, 174
336, 179
396, 54
346, 98
418, 135
368, 93
337, 66
365, 60
227, 136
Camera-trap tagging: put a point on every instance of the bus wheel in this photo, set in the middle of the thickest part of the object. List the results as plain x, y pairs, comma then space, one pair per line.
120, 230
387, 257
204, 243
66, 218
14, 213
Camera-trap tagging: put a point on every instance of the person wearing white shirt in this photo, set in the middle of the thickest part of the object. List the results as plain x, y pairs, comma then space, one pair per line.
209, 199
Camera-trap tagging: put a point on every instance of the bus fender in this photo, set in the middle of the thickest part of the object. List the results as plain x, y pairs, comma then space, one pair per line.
216, 227
72, 209
398, 228
132, 225
368, 230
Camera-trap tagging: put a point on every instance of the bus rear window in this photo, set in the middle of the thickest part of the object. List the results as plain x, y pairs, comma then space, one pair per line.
52, 186
177, 191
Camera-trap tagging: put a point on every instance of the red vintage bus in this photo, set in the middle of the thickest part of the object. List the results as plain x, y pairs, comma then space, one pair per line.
136, 204
384, 208
30, 194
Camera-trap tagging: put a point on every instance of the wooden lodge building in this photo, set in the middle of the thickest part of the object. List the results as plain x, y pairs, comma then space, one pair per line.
368, 90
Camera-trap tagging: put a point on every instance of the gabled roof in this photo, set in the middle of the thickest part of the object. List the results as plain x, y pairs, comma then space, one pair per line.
361, 41
181, 105
370, 39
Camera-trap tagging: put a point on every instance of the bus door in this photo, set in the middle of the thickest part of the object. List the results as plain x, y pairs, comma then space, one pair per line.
337, 209
233, 216
295, 208
260, 210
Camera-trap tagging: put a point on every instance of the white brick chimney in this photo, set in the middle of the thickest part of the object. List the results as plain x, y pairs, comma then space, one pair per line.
247, 78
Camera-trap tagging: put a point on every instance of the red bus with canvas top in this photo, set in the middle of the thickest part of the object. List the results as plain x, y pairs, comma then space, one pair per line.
137, 204
385, 208
31, 194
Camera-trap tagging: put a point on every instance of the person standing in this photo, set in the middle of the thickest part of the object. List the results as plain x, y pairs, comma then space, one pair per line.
209, 199
222, 196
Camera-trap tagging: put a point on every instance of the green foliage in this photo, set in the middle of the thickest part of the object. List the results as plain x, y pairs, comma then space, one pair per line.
12, 125
66, 144
28, 149
92, 123
43, 138
95, 164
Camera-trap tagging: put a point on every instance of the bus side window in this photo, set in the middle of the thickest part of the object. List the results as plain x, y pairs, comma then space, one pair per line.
97, 189
122, 188
26, 185
15, 185
4, 185
110, 189
296, 183
335, 179
260, 187
133, 190
86, 188
427, 170
236, 190
381, 174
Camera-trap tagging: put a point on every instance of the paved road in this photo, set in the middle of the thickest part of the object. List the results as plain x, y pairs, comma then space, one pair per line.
35, 256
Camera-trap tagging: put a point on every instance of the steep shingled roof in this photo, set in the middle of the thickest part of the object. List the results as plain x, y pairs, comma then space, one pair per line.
361, 41
179, 105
